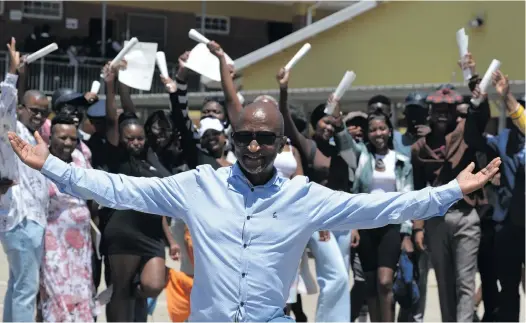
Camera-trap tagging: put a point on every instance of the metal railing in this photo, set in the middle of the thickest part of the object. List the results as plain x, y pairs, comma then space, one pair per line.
54, 71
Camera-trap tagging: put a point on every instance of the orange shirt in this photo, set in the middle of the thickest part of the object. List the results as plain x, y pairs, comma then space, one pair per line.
179, 287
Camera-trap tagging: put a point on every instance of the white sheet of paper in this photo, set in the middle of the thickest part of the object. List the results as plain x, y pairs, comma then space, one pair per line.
141, 65
205, 63
95, 238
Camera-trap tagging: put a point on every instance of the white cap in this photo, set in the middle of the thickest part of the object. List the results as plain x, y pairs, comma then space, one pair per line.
208, 123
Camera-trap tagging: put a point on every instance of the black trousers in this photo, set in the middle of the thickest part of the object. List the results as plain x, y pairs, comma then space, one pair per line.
488, 270
509, 257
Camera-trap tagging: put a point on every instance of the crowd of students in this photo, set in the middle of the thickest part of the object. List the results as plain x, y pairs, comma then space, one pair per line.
46, 232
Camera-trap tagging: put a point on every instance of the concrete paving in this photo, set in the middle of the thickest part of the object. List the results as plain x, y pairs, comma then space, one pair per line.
309, 301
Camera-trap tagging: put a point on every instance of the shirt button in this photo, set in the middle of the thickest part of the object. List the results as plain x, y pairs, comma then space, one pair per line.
252, 189
242, 303
245, 245
243, 275
248, 217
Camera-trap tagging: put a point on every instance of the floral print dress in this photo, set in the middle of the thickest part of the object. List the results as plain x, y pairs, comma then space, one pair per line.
66, 283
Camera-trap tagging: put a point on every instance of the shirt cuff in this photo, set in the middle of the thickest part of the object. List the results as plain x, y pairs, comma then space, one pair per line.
11, 79
55, 169
448, 195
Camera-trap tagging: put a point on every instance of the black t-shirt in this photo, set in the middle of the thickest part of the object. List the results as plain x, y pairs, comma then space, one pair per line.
101, 150
203, 159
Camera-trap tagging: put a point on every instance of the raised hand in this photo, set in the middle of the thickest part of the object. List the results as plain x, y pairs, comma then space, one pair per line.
91, 97
120, 66
283, 78
14, 56
216, 49
169, 84
32, 156
470, 182
478, 94
183, 59
500, 82
108, 73
468, 62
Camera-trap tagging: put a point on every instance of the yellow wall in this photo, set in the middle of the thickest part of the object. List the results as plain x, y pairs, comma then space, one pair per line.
403, 43
243, 9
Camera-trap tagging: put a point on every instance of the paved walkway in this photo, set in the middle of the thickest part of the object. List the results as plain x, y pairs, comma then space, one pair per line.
309, 301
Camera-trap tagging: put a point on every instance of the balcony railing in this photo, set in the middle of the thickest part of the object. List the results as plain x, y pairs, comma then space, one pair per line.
54, 71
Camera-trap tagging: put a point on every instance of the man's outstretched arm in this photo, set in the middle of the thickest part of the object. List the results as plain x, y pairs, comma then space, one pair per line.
150, 195
347, 211
164, 196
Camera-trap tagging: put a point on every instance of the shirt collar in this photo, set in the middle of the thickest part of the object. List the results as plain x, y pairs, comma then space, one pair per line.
236, 172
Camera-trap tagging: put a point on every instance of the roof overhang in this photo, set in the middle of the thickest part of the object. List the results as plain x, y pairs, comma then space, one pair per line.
349, 12
310, 97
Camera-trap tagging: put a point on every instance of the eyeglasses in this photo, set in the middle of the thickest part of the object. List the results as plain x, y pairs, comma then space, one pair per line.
36, 111
244, 138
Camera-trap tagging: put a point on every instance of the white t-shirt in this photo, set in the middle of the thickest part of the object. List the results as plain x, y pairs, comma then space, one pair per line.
384, 181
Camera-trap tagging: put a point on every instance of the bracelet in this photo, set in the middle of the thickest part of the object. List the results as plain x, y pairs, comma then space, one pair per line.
515, 114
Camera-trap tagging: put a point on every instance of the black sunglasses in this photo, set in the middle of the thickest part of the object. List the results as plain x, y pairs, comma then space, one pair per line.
36, 111
244, 138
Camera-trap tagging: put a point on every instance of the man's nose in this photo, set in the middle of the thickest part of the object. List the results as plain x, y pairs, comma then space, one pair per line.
253, 146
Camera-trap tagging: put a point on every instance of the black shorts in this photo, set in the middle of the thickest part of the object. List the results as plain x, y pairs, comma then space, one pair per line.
380, 247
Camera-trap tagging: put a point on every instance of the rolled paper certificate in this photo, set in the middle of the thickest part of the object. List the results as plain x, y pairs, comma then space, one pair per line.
198, 37
41, 53
344, 85
160, 58
462, 43
95, 87
486, 81
124, 51
302, 52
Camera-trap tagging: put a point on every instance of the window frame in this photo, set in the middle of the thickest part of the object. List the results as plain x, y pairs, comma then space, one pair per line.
214, 31
43, 16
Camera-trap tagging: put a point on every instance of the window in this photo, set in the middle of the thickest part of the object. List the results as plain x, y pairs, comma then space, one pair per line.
214, 24
1, 7
42, 9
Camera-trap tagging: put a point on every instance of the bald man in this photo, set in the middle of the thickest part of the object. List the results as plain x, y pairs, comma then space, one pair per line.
23, 206
249, 226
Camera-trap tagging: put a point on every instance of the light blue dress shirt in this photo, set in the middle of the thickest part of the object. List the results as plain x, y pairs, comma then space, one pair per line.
248, 240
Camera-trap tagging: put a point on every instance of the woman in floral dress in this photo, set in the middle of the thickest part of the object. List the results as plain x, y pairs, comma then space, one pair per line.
66, 283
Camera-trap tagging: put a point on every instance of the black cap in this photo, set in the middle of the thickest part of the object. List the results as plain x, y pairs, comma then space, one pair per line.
417, 99
67, 96
379, 104
446, 86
